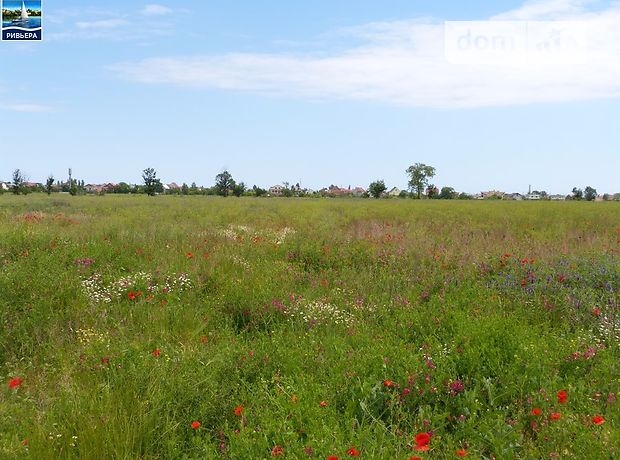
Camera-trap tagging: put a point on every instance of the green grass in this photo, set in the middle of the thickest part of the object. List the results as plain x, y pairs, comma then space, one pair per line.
477, 312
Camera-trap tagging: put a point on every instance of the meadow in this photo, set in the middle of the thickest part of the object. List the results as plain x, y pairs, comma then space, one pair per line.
243, 328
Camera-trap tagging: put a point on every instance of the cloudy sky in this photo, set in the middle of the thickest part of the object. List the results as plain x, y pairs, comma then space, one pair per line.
496, 94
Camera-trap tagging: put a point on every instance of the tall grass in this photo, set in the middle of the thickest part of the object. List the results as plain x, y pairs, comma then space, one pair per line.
328, 324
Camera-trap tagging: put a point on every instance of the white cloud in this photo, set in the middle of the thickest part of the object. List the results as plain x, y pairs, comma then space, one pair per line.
545, 10
24, 107
404, 63
102, 24
156, 10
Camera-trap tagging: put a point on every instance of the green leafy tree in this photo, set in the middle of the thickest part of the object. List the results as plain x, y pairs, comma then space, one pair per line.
589, 193
377, 188
239, 189
18, 182
419, 175
259, 191
577, 194
152, 185
49, 184
184, 189
224, 183
447, 193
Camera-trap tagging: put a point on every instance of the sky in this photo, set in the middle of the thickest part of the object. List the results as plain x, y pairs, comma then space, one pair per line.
318, 92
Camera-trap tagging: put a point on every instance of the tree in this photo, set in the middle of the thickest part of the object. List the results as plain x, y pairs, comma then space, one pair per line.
589, 193
184, 189
419, 175
377, 188
577, 193
432, 191
259, 191
224, 183
238, 189
447, 193
152, 184
49, 184
18, 182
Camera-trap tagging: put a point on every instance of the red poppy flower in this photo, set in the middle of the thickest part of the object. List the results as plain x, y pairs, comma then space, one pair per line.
536, 411
195, 424
353, 452
190, 255
415, 458
156, 352
131, 295
562, 396
332, 457
15, 382
422, 440
388, 383
461, 452
323, 404
555, 416
239, 410
277, 450
598, 420
596, 311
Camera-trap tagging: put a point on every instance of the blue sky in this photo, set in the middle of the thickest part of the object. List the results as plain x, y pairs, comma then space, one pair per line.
319, 91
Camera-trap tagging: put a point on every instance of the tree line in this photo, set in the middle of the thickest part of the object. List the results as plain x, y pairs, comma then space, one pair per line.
419, 186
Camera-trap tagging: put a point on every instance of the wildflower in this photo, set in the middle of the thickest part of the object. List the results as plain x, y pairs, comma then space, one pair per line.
190, 255
203, 339
105, 360
555, 416
294, 398
598, 420
15, 382
461, 452
277, 450
456, 387
422, 440
239, 410
131, 295
331, 457
596, 311
195, 424
562, 396
388, 383
323, 404
536, 411
353, 452
156, 352
415, 458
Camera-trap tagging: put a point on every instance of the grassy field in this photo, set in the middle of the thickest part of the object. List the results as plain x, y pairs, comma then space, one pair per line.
198, 328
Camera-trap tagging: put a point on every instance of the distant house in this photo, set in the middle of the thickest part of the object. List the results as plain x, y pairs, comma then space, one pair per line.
358, 191
94, 188
5, 186
513, 196
276, 190
533, 196
557, 197
394, 192
492, 194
